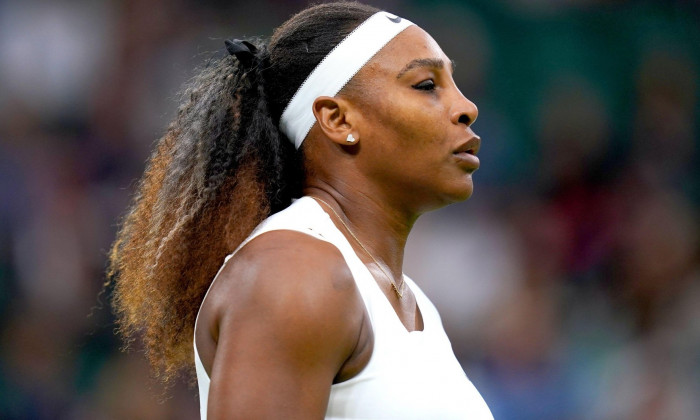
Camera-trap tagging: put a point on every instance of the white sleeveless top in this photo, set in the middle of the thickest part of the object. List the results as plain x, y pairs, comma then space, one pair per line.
410, 375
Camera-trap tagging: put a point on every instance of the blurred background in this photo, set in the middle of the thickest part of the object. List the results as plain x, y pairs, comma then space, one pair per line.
569, 283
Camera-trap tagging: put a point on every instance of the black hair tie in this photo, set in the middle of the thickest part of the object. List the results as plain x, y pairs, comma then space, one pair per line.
244, 51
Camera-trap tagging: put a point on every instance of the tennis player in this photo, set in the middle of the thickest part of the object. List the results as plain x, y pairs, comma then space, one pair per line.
271, 222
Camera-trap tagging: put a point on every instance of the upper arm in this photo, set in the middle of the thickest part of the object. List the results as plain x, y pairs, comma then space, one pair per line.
289, 316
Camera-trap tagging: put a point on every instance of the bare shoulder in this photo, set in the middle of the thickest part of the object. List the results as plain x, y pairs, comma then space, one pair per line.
285, 316
281, 278
286, 267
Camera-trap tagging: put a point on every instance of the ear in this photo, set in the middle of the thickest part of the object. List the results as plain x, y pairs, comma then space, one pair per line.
335, 117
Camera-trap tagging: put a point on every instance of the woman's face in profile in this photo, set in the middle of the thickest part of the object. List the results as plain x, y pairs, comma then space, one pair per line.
415, 122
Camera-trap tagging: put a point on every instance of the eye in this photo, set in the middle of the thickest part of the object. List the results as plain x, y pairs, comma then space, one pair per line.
425, 85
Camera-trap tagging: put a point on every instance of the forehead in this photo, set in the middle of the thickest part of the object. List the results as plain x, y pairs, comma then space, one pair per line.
412, 43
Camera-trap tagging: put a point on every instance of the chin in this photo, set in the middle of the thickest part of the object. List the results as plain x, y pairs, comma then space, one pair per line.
436, 198
463, 191
457, 193
464, 196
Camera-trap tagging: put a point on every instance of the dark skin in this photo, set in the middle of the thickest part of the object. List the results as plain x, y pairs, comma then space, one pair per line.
284, 320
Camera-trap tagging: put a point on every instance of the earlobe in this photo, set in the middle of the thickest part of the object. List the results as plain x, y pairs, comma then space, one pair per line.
333, 119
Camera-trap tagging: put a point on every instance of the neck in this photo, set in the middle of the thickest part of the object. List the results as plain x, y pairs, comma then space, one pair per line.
381, 226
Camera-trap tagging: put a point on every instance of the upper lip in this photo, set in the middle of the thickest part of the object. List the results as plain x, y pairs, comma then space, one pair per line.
470, 146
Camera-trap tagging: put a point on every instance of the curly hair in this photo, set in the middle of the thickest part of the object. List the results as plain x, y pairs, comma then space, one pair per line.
221, 168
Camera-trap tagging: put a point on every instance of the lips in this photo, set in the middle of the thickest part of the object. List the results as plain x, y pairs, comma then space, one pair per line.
466, 153
471, 146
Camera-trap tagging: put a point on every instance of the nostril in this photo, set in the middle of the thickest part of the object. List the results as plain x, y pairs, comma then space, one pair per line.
464, 119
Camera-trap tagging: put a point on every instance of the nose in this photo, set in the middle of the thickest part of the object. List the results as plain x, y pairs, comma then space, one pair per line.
464, 111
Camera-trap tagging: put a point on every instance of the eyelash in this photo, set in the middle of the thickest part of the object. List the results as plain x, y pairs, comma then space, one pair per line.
426, 85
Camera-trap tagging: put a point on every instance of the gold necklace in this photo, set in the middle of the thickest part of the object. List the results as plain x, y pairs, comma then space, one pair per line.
398, 290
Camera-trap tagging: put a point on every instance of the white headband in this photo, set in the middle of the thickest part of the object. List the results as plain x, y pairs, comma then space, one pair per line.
336, 69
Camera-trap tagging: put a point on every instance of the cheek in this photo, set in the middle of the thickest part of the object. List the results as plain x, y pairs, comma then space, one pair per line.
406, 123
421, 136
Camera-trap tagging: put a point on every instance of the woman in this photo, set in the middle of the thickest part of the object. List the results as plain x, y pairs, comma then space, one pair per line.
311, 316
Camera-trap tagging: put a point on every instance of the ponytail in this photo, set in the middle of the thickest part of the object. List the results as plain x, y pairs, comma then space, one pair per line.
281, 162
215, 175
221, 168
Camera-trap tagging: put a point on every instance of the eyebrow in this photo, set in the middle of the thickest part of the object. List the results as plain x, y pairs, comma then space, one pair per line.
424, 62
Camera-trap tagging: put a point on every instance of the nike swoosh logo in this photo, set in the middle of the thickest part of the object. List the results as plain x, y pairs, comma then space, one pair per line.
395, 19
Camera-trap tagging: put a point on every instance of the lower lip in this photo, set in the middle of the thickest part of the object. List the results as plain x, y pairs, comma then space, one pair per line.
469, 161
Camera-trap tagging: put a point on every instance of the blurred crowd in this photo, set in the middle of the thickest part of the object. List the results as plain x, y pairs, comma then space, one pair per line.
569, 283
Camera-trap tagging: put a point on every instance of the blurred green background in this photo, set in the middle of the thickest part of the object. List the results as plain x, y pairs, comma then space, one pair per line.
569, 283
